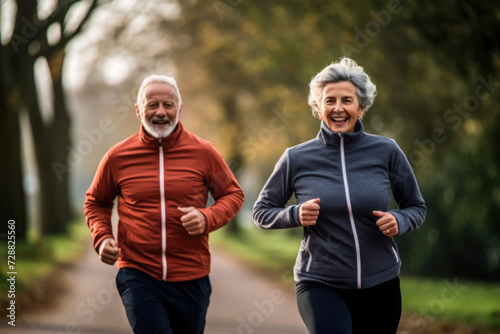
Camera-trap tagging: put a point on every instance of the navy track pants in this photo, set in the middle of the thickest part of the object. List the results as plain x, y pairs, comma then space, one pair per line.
158, 307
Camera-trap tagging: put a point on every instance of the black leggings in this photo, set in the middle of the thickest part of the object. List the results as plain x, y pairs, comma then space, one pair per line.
344, 311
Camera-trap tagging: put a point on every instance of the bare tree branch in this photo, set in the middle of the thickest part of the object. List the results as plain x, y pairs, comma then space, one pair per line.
47, 49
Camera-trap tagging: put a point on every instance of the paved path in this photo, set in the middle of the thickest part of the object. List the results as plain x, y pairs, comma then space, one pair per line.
242, 302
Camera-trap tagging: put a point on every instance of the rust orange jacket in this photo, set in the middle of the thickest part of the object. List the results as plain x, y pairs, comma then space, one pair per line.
152, 178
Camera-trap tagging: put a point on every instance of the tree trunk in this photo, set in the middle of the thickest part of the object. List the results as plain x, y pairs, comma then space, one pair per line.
12, 200
51, 143
61, 134
235, 157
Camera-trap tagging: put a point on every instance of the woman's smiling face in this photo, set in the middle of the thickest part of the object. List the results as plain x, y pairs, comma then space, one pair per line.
339, 106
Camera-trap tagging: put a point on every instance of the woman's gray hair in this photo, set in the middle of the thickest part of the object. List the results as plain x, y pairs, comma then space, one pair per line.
157, 78
344, 70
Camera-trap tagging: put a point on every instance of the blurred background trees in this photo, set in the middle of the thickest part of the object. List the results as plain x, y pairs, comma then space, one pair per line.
34, 36
243, 68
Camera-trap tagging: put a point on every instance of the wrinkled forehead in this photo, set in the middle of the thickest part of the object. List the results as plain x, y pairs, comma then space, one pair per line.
159, 91
341, 88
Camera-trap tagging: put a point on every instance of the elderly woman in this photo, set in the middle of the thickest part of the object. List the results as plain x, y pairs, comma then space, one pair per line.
348, 264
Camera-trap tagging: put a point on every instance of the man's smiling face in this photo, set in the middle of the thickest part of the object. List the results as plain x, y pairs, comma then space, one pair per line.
339, 106
159, 109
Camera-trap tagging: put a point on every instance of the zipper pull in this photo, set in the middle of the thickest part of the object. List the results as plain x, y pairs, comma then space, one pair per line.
159, 142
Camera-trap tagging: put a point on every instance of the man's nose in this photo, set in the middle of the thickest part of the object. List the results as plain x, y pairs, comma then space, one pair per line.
161, 111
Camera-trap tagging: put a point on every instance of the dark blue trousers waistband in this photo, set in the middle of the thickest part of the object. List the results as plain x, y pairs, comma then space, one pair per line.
159, 307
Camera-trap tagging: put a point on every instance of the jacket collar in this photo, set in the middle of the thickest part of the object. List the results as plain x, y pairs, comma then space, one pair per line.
167, 141
328, 137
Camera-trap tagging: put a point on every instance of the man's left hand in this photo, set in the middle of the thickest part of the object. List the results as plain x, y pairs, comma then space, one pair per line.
193, 220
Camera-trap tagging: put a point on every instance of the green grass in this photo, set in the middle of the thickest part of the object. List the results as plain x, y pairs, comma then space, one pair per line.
448, 300
453, 300
36, 260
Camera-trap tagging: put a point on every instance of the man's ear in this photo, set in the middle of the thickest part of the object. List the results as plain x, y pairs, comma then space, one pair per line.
137, 112
180, 109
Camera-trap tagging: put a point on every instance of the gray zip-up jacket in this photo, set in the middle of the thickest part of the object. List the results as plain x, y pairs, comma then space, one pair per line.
353, 174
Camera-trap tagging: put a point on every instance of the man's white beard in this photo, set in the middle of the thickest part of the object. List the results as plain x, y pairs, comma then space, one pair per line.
151, 128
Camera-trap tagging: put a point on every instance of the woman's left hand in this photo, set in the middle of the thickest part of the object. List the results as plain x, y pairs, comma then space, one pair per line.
387, 223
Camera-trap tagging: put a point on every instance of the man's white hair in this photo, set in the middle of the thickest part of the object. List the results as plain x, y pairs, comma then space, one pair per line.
158, 78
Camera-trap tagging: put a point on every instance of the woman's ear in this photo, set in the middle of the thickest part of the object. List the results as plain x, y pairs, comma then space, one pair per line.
320, 116
361, 113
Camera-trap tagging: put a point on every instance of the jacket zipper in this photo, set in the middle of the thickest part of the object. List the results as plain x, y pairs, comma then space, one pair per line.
395, 254
163, 215
306, 247
349, 208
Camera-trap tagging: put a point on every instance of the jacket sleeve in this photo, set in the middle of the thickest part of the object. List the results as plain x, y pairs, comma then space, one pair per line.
412, 209
225, 190
269, 211
99, 202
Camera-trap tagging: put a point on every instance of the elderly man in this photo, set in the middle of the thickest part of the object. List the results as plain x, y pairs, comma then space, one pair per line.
162, 176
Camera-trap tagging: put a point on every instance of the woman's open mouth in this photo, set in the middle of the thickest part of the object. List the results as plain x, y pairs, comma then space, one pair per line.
339, 120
